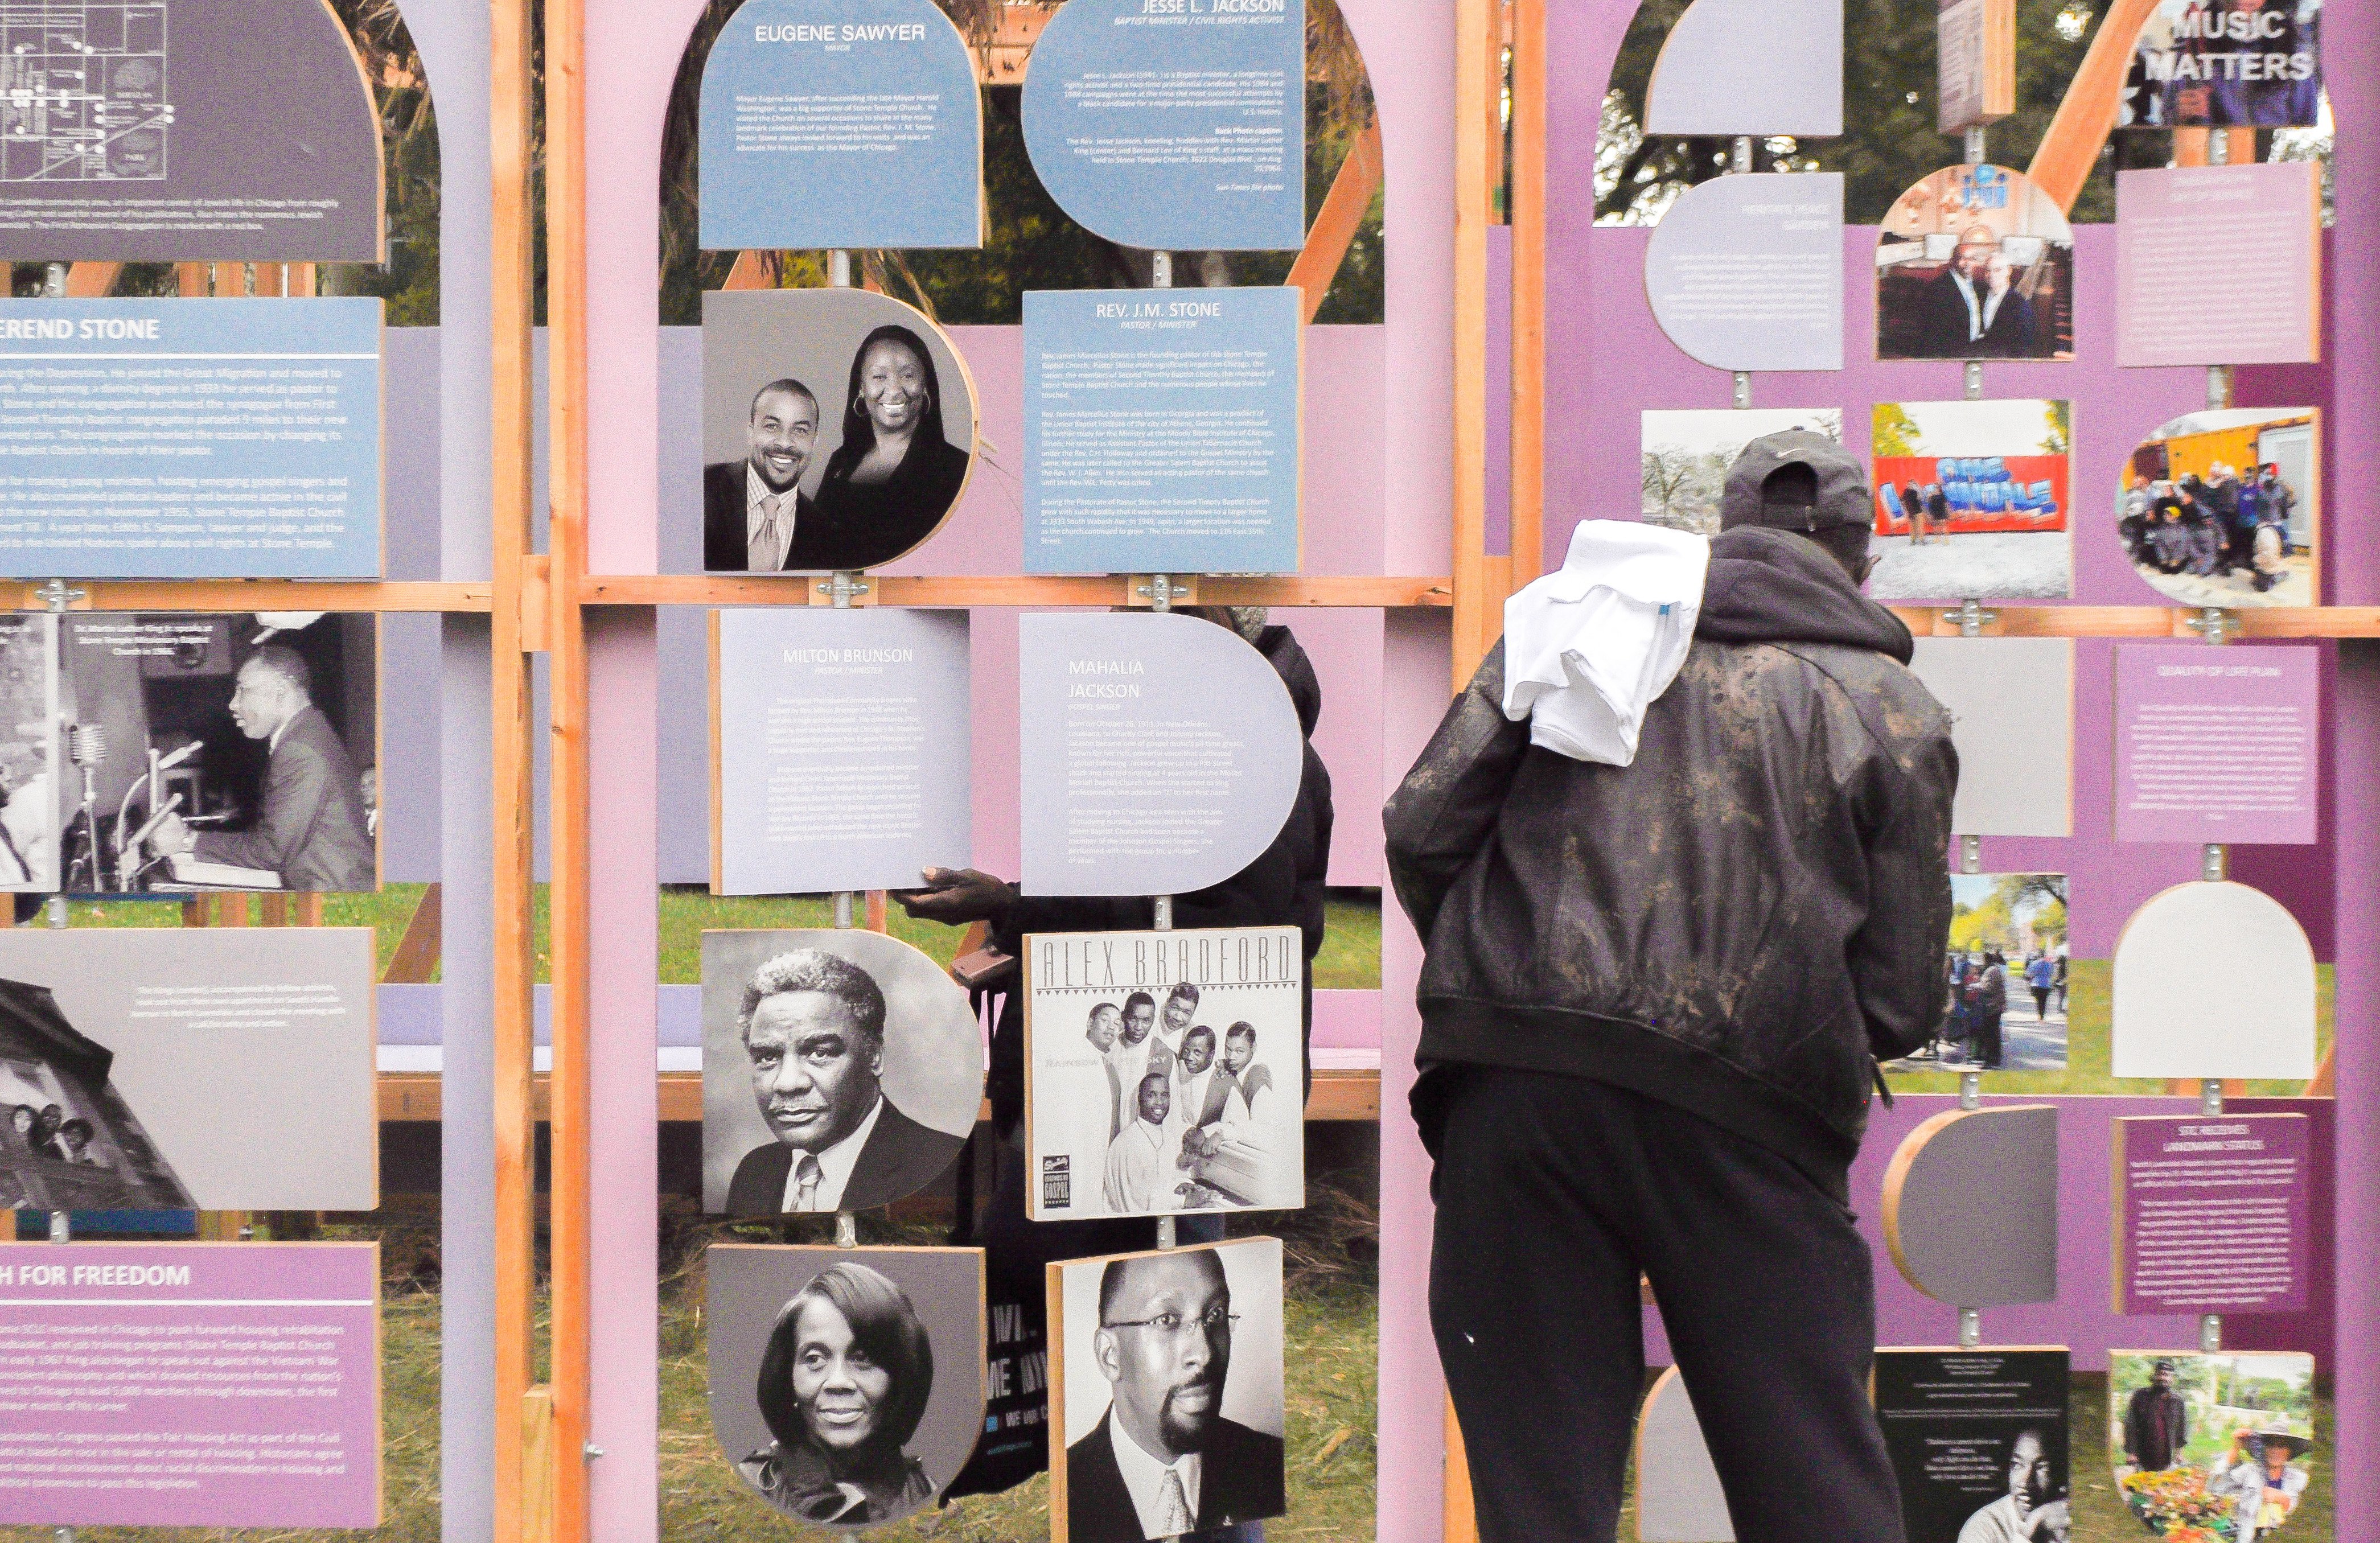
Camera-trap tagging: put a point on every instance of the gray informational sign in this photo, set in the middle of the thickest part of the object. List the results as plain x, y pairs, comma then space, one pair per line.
2011, 702
1971, 1207
190, 438
1161, 754
194, 130
843, 742
163, 1069
1751, 67
1746, 272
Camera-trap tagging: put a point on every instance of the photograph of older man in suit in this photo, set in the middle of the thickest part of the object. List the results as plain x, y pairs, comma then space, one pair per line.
313, 830
812, 1026
1163, 1460
755, 517
1973, 309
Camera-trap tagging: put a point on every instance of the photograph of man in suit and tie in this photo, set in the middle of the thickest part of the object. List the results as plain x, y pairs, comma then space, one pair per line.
1977, 262
1169, 1393
839, 428
1177, 1096
842, 1071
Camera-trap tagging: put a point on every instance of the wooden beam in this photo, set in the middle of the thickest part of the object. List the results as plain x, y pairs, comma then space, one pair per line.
1339, 218
1478, 164
2062, 164
1462, 1518
415, 959
1528, 216
540, 1457
1353, 593
753, 270
520, 1492
92, 281
224, 596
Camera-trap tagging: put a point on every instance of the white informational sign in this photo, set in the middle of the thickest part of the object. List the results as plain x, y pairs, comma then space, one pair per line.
1746, 272
2259, 225
843, 748
1678, 1494
1751, 67
1161, 753
2178, 1012
2011, 702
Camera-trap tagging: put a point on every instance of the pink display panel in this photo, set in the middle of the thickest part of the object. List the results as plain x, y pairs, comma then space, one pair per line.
2217, 746
2213, 1214
190, 1384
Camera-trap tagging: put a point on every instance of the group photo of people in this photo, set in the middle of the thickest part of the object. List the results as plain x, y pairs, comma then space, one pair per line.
1184, 1098
1977, 262
839, 428
2211, 1447
2005, 977
846, 1384
2221, 508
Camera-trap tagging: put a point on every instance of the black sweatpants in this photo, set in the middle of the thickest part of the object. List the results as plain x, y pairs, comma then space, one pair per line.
1553, 1193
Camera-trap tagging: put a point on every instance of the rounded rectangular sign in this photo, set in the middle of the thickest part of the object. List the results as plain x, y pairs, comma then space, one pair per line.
190, 438
1162, 431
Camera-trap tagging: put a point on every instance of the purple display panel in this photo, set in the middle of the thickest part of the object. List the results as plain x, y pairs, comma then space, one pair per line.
2217, 746
2259, 225
189, 1385
2213, 1214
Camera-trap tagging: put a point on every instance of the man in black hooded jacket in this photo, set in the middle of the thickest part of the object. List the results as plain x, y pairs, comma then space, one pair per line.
1652, 1003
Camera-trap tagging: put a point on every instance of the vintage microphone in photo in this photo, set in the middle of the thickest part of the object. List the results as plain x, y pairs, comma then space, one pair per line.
87, 748
124, 868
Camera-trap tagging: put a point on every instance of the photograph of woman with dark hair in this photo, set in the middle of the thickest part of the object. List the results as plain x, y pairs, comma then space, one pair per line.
842, 1385
895, 475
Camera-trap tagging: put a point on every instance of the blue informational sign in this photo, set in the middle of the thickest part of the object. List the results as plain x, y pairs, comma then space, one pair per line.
190, 438
1173, 124
841, 123
1161, 430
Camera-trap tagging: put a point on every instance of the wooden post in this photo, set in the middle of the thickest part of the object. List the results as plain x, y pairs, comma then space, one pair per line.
1461, 1520
571, 1211
1528, 216
511, 294
1336, 223
2068, 152
1479, 152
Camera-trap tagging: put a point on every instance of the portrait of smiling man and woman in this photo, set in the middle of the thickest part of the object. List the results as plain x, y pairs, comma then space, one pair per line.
838, 430
847, 1385
842, 1071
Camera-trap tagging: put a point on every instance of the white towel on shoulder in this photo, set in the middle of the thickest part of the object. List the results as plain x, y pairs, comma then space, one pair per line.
1588, 648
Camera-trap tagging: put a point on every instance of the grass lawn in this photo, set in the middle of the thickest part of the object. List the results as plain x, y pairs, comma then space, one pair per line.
2087, 1053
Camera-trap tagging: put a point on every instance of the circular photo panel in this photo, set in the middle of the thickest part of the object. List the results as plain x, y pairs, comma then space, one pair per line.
2224, 509
838, 430
2213, 1447
841, 1071
846, 1384
1975, 263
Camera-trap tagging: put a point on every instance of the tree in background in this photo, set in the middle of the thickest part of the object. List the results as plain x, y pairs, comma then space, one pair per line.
2059, 439
1894, 433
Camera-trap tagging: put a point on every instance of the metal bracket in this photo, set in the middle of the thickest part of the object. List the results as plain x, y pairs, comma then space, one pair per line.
1971, 618
1161, 591
1971, 854
1974, 381
56, 596
2214, 623
589, 1452
1161, 918
2215, 863
1741, 163
847, 1229
1165, 1236
843, 590
1971, 1328
2210, 1333
1976, 146
1742, 389
1971, 1090
2210, 1097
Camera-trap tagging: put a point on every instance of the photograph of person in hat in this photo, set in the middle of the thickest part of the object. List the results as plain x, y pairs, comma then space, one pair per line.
2261, 1480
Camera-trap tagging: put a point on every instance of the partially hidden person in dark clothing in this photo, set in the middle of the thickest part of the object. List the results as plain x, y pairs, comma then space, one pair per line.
2156, 1423
1284, 887
1653, 1002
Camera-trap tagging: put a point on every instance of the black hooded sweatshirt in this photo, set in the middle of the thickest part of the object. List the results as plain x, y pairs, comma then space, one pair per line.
1741, 922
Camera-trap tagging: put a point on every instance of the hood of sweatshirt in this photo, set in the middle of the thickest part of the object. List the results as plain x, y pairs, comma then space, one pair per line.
1774, 587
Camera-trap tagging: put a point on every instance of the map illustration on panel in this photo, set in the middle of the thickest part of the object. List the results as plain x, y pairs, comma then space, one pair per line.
185, 130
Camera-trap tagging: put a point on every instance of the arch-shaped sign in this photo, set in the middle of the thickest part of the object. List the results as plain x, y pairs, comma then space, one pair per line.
1163, 753
1678, 1494
1977, 262
1746, 272
840, 123
1173, 124
856, 408
846, 1384
2173, 1014
1971, 1206
841, 1071
1751, 67
185, 130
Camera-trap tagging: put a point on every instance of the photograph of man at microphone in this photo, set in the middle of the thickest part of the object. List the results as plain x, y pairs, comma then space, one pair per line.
217, 752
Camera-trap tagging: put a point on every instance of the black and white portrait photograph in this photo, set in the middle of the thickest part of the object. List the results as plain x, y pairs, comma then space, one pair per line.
118, 1044
232, 752
1167, 1393
841, 1071
838, 430
846, 1384
1164, 1072
1977, 262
